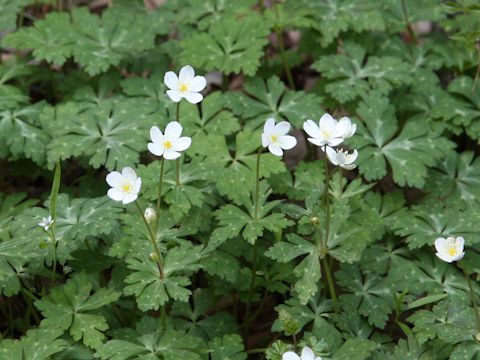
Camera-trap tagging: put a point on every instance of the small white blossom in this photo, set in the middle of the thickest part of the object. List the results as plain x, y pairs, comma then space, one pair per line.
150, 215
169, 144
275, 137
329, 132
46, 223
342, 158
125, 186
186, 85
450, 249
307, 354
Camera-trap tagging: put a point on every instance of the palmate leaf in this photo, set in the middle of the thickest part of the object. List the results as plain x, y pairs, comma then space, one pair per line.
150, 290
21, 133
95, 43
197, 319
467, 350
263, 99
422, 224
409, 349
418, 10
149, 342
409, 153
234, 221
229, 347
37, 344
355, 349
68, 307
77, 220
452, 321
234, 173
369, 295
352, 76
8, 13
456, 179
230, 46
11, 96
104, 134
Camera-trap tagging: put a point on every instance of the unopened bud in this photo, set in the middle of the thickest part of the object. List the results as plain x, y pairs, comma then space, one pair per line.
150, 215
289, 324
314, 220
477, 336
153, 256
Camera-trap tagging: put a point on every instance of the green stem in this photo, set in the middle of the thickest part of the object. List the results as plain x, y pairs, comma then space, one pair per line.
326, 202
257, 184
407, 22
473, 298
158, 258
177, 164
477, 73
256, 351
278, 32
331, 286
160, 184
252, 286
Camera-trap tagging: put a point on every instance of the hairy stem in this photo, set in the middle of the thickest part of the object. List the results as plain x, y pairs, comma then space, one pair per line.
177, 163
160, 184
257, 184
331, 286
410, 31
252, 287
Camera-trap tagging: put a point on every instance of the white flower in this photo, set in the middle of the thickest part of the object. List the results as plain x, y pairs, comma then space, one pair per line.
150, 215
342, 158
329, 131
276, 138
186, 85
46, 223
307, 354
125, 185
170, 144
450, 249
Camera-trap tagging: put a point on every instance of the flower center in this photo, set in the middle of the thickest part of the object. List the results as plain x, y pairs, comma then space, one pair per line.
326, 134
183, 87
127, 187
167, 144
452, 251
273, 138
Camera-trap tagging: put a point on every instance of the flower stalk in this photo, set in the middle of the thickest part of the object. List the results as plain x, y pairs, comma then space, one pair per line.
473, 299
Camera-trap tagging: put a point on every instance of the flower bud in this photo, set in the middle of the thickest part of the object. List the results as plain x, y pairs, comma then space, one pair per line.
153, 256
150, 215
477, 337
314, 220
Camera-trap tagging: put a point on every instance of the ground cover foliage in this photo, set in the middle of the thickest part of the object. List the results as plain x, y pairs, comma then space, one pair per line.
241, 254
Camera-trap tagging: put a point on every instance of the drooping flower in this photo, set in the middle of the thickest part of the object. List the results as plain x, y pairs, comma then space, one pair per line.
275, 137
307, 354
186, 85
125, 186
329, 132
150, 215
450, 249
342, 158
169, 144
46, 223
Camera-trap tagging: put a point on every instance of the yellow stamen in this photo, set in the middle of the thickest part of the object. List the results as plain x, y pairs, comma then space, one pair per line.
167, 144
183, 87
273, 138
127, 188
452, 251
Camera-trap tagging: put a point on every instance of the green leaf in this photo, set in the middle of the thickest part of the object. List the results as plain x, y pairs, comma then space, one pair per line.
263, 99
369, 295
230, 46
68, 308
355, 349
467, 350
104, 134
409, 153
152, 291
424, 223
10, 95
149, 342
8, 13
229, 347
353, 74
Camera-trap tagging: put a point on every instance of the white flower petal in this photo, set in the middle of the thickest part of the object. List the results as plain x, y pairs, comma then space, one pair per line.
308, 354
186, 74
171, 155
332, 155
275, 149
327, 123
440, 244
156, 149
182, 144
173, 130
265, 140
444, 257
282, 128
287, 142
290, 355
197, 84
317, 141
460, 241
343, 128
128, 198
269, 126
352, 157
114, 179
129, 174
156, 135
334, 141
115, 194
138, 185
459, 257
193, 98
312, 129
175, 95
171, 80
348, 166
